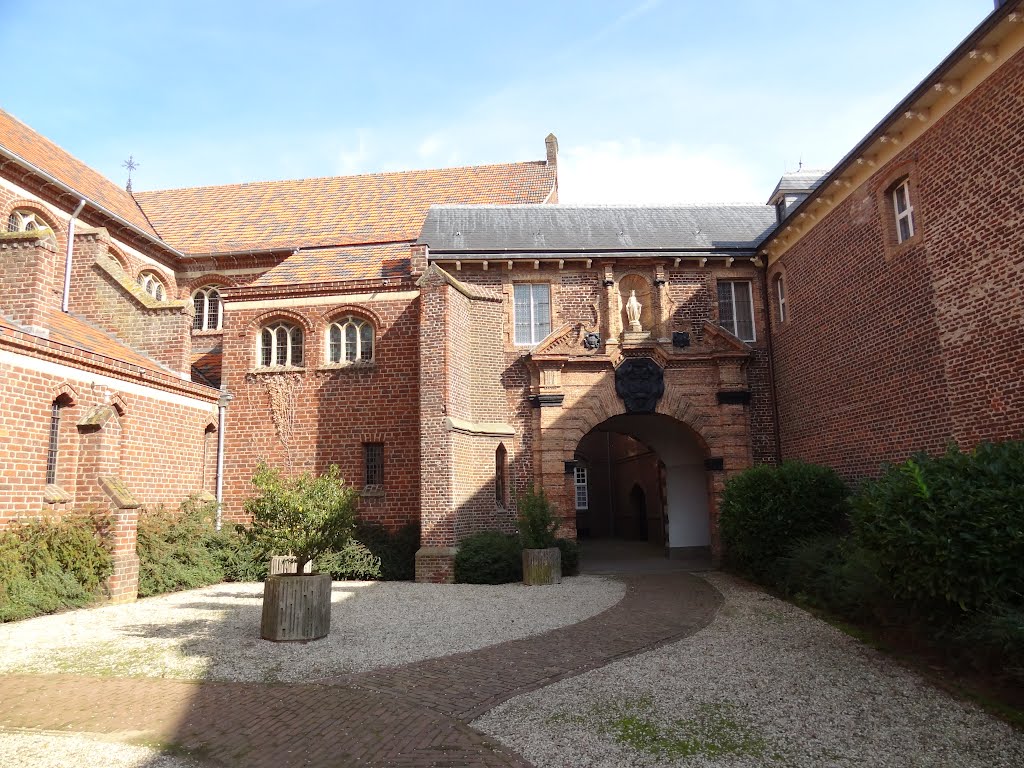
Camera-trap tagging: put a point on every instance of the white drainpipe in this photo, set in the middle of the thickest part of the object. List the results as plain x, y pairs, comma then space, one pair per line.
222, 407
67, 259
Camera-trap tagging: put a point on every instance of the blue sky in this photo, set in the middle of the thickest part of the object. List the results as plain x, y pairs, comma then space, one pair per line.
670, 101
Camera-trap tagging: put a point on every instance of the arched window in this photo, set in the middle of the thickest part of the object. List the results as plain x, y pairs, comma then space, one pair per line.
500, 472
280, 344
209, 311
151, 284
21, 220
350, 340
63, 401
780, 293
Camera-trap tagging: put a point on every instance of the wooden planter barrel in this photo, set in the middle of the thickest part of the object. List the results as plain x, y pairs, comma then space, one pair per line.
296, 607
542, 566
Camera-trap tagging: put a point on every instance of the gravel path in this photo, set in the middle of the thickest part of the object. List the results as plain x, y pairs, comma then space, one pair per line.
213, 633
64, 750
766, 684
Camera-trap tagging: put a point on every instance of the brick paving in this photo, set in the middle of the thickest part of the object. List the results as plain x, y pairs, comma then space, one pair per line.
414, 715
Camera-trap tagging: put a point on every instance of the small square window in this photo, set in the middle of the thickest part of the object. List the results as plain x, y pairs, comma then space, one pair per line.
373, 463
904, 211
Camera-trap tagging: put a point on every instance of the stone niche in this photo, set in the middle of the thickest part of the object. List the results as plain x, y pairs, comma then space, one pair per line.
644, 294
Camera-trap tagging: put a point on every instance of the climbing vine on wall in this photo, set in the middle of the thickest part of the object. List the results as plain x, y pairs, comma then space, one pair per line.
283, 391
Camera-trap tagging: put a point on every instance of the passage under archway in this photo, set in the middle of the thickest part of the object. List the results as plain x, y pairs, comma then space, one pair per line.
646, 482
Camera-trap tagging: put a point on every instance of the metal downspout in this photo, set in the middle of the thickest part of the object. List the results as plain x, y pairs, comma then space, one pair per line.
222, 407
67, 258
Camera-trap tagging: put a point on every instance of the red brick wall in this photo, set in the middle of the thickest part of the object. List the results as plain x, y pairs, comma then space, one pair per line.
155, 448
890, 348
324, 414
27, 279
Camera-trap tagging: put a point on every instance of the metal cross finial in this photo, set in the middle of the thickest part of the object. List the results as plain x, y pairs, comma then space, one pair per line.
131, 165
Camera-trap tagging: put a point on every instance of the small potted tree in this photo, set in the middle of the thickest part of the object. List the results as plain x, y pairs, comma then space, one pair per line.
304, 517
542, 559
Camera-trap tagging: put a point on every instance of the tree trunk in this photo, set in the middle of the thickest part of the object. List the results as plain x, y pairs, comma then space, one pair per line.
296, 607
542, 566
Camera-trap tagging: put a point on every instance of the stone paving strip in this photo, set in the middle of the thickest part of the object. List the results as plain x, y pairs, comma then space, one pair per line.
766, 684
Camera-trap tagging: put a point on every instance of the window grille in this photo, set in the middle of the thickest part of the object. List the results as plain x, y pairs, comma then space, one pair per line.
373, 461
51, 454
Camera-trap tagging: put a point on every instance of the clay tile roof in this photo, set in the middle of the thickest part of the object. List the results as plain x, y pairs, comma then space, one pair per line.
73, 332
327, 265
333, 211
20, 140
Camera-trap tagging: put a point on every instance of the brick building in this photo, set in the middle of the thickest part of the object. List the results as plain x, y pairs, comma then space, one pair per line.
450, 337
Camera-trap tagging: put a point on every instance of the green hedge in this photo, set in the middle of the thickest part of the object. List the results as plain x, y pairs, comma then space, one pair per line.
396, 550
948, 531
48, 565
179, 549
765, 509
354, 562
489, 557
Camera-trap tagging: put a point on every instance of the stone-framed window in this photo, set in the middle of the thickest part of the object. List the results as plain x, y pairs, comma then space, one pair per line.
350, 340
531, 312
152, 285
373, 465
780, 297
736, 308
209, 309
500, 474
280, 344
903, 209
54, 444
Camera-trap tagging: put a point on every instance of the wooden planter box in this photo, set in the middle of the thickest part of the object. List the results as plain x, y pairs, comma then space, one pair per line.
542, 566
296, 607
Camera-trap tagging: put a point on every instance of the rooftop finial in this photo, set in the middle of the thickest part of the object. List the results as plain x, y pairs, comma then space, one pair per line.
131, 165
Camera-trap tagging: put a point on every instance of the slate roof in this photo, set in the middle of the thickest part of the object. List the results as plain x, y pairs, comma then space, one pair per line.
574, 229
65, 328
799, 181
332, 211
325, 265
21, 141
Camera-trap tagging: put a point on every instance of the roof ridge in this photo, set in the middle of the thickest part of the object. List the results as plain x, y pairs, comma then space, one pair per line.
597, 206
410, 172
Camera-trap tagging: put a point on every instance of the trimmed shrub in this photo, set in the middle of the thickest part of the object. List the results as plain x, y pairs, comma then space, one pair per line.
355, 562
240, 558
48, 565
948, 531
766, 509
397, 551
489, 557
177, 549
570, 556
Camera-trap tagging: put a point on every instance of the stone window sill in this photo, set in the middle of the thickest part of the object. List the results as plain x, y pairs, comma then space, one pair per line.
54, 494
207, 332
278, 369
372, 492
358, 365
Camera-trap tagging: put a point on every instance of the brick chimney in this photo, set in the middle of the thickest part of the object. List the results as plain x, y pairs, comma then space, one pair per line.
551, 145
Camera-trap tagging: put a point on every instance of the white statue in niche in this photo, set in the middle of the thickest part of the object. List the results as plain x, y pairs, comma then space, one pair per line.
633, 308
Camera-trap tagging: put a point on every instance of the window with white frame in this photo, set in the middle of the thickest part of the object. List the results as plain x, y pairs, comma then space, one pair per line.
21, 220
904, 211
280, 344
582, 492
736, 308
532, 312
209, 309
151, 284
350, 340
780, 292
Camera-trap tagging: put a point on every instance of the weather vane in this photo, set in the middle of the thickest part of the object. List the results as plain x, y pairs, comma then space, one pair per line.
131, 165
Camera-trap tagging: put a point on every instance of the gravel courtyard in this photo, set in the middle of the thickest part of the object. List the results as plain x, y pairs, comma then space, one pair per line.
765, 684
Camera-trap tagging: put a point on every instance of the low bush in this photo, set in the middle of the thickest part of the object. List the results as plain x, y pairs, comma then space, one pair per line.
948, 531
49, 565
354, 562
489, 557
239, 557
570, 556
765, 509
179, 549
396, 550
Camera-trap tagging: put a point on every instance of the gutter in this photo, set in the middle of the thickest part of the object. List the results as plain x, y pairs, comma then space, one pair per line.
67, 258
105, 211
222, 407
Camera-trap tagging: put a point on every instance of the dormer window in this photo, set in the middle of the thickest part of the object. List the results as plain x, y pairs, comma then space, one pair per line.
780, 211
904, 211
151, 284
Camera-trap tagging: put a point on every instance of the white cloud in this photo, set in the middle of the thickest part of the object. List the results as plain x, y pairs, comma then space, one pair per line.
636, 171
